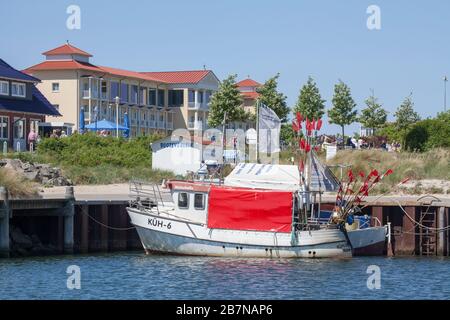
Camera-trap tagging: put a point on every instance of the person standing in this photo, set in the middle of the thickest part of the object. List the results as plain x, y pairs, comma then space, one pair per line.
32, 139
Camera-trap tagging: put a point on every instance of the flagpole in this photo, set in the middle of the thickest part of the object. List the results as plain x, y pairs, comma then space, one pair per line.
257, 131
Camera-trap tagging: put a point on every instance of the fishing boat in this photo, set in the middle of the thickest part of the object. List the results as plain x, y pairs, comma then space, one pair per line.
215, 220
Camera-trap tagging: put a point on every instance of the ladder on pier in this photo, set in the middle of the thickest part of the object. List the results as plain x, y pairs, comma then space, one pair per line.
427, 237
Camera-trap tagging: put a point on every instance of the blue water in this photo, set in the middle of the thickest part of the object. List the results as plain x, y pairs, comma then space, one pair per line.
136, 276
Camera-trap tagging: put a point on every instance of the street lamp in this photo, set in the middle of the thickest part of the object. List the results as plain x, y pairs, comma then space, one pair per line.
117, 100
445, 92
96, 117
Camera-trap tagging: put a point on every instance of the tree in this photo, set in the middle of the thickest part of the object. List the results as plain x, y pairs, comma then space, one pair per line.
269, 96
374, 116
287, 134
310, 104
342, 113
405, 115
226, 99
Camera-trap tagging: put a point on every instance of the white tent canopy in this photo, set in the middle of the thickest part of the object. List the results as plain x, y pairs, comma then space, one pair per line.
280, 177
266, 176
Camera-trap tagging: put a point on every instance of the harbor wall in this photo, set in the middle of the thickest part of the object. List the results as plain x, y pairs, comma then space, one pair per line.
66, 226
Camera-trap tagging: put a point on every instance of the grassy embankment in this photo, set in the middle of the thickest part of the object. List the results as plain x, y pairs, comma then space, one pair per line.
418, 167
89, 159
433, 164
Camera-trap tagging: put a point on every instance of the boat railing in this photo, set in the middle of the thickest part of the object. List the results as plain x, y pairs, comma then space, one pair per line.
145, 195
376, 222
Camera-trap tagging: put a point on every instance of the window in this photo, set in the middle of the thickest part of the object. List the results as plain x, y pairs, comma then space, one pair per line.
191, 96
4, 88
19, 128
160, 98
142, 96
176, 98
124, 92
151, 97
104, 89
114, 90
199, 201
18, 89
183, 200
55, 86
4, 127
134, 94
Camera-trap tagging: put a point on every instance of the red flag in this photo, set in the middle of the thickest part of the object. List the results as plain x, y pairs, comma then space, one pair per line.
373, 173
350, 175
299, 119
307, 147
295, 126
388, 172
361, 174
319, 124
313, 125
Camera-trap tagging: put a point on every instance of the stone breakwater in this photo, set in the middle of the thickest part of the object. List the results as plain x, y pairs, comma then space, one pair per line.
43, 174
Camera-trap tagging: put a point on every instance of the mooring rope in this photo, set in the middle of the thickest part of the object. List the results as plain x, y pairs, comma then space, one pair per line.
420, 224
104, 225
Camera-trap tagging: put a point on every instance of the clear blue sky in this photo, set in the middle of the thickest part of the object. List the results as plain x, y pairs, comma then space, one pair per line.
328, 40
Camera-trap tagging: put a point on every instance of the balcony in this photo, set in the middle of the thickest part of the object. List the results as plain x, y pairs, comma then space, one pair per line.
169, 125
161, 125
195, 125
152, 124
91, 95
198, 105
104, 96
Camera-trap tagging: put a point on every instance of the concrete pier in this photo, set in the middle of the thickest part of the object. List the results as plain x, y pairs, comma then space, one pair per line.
4, 223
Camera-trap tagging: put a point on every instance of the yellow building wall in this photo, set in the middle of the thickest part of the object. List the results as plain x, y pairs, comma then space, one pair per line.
67, 96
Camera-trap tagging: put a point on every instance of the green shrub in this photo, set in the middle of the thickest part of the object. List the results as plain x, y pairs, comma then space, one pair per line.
429, 134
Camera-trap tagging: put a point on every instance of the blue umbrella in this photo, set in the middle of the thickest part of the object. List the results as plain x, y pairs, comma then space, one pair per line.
81, 126
105, 125
126, 132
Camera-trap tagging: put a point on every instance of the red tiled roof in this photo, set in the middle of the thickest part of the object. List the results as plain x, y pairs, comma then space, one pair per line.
78, 65
131, 74
62, 65
66, 49
179, 76
248, 83
250, 95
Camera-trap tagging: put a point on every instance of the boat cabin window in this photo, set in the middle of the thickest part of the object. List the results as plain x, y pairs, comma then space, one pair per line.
183, 200
199, 201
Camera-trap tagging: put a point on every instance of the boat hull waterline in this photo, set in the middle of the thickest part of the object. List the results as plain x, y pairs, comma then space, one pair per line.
167, 234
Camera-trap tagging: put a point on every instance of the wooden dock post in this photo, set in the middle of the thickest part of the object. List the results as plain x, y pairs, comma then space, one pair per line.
5, 213
104, 231
69, 214
84, 241
441, 235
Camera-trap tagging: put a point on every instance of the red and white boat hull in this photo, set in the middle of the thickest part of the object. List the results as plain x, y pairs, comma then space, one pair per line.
168, 234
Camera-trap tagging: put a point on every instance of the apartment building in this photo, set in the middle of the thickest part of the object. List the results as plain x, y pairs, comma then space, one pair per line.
155, 101
248, 87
